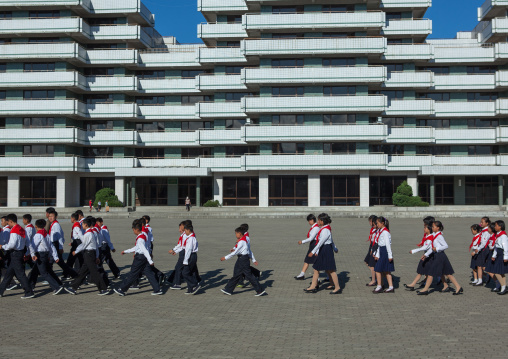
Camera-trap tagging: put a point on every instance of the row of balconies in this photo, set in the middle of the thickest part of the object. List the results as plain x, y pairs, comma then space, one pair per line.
134, 9
254, 77
372, 104
257, 134
202, 166
491, 9
494, 30
189, 57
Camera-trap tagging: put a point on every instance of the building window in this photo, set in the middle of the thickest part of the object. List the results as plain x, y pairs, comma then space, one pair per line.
232, 43
38, 94
287, 148
38, 151
482, 190
339, 90
237, 96
148, 152
2, 122
98, 152
337, 35
99, 71
44, 13
31, 122
290, 35
150, 127
335, 62
234, 19
186, 188
98, 125
102, 21
39, 66
153, 74
340, 190
236, 151
192, 100
437, 70
339, 148
3, 95
241, 191
288, 91
482, 96
190, 126
433, 150
395, 67
339, 119
43, 40
382, 189
391, 95
288, 9
288, 190
151, 191
482, 123
442, 123
235, 124
481, 69
3, 67
387, 149
89, 186
393, 16
443, 189
234, 70
151, 101
287, 63
337, 8
298, 120
196, 152
5, 15
3, 191
482, 150
98, 99
393, 121
37, 191
437, 96
191, 74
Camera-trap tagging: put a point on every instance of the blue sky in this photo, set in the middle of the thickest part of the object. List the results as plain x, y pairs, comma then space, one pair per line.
180, 18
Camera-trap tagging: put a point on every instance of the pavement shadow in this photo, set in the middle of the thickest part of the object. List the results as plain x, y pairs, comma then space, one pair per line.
343, 278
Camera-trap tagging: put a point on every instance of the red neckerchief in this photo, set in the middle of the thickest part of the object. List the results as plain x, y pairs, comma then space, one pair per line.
498, 235
423, 240
29, 225
434, 237
308, 233
379, 234
144, 230
180, 239
476, 239
51, 226
244, 238
492, 239
42, 232
371, 232
7, 227
142, 236
104, 227
76, 224
89, 230
17, 229
192, 235
318, 233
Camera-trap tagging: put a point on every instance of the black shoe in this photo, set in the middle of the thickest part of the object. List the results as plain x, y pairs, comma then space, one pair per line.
447, 290
503, 292
330, 287
460, 291
336, 292
478, 285
409, 288
376, 291
389, 290
495, 290
161, 280
300, 278
371, 285
315, 290
422, 292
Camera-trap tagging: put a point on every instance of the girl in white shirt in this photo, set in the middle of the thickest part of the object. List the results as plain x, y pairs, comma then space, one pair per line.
500, 256
473, 250
311, 239
423, 266
369, 258
384, 257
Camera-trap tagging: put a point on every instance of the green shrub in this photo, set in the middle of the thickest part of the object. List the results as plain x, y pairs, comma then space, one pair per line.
404, 197
211, 203
107, 194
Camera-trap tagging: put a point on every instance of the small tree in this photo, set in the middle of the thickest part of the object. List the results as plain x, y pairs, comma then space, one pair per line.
212, 203
403, 197
107, 194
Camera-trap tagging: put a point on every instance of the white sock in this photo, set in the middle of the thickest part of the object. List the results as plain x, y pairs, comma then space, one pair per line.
390, 288
301, 274
378, 287
474, 281
479, 281
503, 288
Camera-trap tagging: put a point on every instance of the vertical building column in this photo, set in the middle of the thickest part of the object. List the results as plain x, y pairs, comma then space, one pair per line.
198, 191
133, 192
364, 189
314, 190
460, 190
263, 189
127, 194
60, 191
412, 180
501, 190
432, 191
218, 194
13, 191
119, 188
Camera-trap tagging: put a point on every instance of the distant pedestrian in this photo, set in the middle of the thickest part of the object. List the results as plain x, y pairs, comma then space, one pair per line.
107, 206
187, 204
90, 204
99, 206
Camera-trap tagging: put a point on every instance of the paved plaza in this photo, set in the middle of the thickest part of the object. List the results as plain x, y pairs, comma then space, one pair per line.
287, 323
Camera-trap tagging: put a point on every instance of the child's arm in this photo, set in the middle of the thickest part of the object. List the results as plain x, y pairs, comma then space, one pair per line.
188, 251
389, 246
107, 238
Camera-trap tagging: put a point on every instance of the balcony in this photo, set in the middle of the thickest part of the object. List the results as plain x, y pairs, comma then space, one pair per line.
410, 79
57, 79
465, 109
105, 164
112, 84
112, 110
40, 51
221, 137
219, 110
502, 106
491, 9
317, 20
399, 4
463, 54
130, 33
38, 135
112, 57
50, 107
465, 82
172, 139
218, 55
222, 164
221, 5
177, 112
219, 82
175, 58
168, 86
316, 75
313, 46
408, 27
410, 135
63, 26
221, 31
496, 30
502, 79
315, 133
315, 162
468, 136
464, 161
169, 162
409, 52
501, 50
502, 134
134, 9
39, 164
314, 104
408, 162
418, 107
108, 138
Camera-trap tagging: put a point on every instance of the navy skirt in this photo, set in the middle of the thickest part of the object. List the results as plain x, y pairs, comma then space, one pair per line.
499, 266
482, 257
440, 265
425, 265
367, 257
383, 263
325, 259
310, 260
474, 261
372, 261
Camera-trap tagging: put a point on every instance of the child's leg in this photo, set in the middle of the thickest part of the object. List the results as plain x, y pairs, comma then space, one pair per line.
475, 276
237, 276
137, 267
479, 274
501, 279
42, 264
413, 283
245, 267
454, 281
389, 279
372, 275
315, 278
151, 276
379, 279
305, 267
335, 279
428, 283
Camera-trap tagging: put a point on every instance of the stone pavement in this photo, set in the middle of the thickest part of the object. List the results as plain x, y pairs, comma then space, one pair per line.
285, 324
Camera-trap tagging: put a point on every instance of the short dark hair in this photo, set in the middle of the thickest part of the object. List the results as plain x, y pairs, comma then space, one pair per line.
12, 217
4, 217
311, 217
136, 224
439, 225
245, 227
75, 216
50, 210
486, 219
492, 227
428, 226
142, 220
54, 212
429, 220
385, 221
28, 217
240, 230
325, 218
182, 223
476, 227
88, 222
92, 220
80, 212
40, 223
147, 218
189, 227
188, 221
500, 223
99, 219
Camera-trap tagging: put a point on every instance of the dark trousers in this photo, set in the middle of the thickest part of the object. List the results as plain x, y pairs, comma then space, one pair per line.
189, 272
16, 267
46, 271
176, 276
67, 271
35, 272
77, 260
140, 265
242, 268
105, 256
89, 266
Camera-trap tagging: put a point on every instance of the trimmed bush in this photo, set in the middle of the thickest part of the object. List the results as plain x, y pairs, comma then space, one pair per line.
211, 203
107, 194
404, 197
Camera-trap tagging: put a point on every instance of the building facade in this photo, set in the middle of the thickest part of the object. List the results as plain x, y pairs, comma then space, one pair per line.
286, 103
